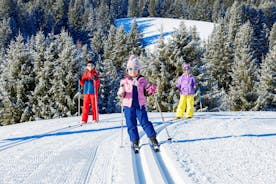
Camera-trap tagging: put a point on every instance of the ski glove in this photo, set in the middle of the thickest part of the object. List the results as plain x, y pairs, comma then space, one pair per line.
94, 77
152, 89
121, 92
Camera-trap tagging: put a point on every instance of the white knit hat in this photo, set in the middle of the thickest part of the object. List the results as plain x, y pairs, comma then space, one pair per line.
133, 61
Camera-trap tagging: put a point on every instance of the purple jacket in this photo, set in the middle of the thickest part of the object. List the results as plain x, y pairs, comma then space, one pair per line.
186, 84
127, 84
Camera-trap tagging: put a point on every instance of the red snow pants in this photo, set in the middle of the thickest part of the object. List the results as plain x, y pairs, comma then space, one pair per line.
87, 100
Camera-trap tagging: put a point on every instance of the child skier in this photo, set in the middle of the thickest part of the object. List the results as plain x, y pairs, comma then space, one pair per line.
186, 84
132, 89
90, 83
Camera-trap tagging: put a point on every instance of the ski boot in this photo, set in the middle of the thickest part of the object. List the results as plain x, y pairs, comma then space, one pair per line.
135, 146
154, 144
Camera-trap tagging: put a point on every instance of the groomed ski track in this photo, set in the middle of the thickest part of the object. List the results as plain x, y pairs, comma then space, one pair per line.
209, 148
82, 158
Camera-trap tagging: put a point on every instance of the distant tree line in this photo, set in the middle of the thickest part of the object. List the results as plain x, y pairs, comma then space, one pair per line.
45, 44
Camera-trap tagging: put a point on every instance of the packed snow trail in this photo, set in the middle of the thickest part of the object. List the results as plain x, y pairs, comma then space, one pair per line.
233, 147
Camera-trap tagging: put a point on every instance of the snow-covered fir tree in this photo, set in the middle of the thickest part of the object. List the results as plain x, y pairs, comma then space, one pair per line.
134, 40
5, 33
18, 83
108, 82
267, 83
97, 45
218, 57
156, 68
242, 92
65, 76
132, 8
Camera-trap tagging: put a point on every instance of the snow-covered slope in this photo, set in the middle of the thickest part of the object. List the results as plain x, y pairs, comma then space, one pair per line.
152, 27
220, 147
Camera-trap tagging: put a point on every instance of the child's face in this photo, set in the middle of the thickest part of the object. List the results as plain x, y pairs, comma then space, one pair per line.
187, 71
133, 70
89, 66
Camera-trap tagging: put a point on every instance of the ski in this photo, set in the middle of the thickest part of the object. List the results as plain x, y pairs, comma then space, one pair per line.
135, 149
155, 148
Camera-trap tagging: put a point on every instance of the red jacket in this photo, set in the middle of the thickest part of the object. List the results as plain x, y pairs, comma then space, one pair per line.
88, 79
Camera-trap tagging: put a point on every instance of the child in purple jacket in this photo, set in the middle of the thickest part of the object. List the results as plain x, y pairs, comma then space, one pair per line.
132, 89
186, 84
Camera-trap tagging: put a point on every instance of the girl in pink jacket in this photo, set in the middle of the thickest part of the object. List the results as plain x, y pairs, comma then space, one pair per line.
133, 88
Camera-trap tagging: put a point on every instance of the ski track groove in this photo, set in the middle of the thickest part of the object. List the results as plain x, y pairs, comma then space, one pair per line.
156, 156
19, 142
87, 169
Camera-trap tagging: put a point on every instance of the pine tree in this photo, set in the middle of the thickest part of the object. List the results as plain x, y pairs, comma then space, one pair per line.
65, 77
157, 70
75, 13
132, 4
134, 40
267, 85
43, 52
219, 57
234, 18
242, 91
18, 83
5, 33
107, 83
152, 5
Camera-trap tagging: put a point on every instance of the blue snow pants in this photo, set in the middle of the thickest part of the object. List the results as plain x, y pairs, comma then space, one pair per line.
136, 112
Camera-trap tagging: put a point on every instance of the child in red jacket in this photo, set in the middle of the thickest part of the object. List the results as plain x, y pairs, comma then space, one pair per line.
90, 83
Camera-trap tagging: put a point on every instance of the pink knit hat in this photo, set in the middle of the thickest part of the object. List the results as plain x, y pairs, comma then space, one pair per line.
133, 61
186, 66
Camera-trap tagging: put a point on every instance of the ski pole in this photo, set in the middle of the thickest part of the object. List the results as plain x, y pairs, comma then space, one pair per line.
162, 117
79, 98
122, 124
96, 101
199, 96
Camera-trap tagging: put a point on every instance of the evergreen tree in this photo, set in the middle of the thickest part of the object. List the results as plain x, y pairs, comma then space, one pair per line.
132, 4
107, 83
64, 83
157, 69
134, 40
272, 37
103, 18
75, 13
242, 91
267, 85
97, 45
5, 33
44, 57
18, 83
152, 5
234, 18
219, 57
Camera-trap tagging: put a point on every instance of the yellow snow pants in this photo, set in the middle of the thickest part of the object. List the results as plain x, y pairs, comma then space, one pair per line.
186, 102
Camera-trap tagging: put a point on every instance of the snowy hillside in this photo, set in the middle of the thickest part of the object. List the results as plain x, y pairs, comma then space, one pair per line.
152, 27
210, 148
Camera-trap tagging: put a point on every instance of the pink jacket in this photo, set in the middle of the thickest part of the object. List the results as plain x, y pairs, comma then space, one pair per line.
127, 84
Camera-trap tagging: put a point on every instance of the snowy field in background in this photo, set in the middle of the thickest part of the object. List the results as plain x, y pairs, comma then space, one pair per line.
221, 147
151, 28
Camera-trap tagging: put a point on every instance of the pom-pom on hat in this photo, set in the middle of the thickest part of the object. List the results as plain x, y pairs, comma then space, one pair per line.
133, 61
186, 67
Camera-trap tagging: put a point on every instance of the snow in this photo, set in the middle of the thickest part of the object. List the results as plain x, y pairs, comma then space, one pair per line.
217, 147
151, 27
